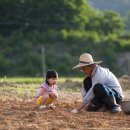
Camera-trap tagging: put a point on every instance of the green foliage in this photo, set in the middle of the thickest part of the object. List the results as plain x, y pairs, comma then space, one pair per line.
127, 21
65, 28
120, 6
105, 23
43, 15
4, 65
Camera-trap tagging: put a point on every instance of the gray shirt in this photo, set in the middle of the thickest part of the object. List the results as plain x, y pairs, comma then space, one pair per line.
105, 77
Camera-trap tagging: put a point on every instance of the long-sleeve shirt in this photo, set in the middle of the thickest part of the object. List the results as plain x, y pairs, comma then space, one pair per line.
105, 77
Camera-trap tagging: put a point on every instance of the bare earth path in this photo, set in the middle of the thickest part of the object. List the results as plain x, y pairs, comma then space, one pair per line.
22, 115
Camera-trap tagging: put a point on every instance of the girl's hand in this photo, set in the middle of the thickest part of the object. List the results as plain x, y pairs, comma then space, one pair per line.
52, 94
75, 111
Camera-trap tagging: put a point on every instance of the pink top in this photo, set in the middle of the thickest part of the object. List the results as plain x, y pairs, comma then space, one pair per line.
47, 89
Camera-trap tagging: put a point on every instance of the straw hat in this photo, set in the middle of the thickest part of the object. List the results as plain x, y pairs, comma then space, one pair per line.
85, 59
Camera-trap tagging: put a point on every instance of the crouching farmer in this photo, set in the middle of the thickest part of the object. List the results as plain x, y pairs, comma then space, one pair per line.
100, 86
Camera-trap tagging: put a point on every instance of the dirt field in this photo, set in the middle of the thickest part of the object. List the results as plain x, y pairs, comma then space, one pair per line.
23, 115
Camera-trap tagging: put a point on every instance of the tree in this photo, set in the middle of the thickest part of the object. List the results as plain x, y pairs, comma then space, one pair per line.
105, 23
43, 15
127, 21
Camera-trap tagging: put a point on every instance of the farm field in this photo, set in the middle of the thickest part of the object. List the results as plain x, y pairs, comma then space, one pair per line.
18, 112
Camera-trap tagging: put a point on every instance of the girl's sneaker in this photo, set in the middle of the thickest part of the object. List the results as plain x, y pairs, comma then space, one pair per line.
52, 106
42, 107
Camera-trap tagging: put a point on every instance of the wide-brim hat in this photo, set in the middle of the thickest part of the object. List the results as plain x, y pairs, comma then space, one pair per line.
85, 60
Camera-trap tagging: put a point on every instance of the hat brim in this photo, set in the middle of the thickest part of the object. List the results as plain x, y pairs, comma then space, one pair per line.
81, 65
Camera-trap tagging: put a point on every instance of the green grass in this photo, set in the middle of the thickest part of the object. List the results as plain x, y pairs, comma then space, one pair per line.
34, 80
27, 86
26, 80
20, 91
27, 90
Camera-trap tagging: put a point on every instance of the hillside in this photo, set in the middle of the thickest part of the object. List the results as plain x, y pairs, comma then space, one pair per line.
120, 6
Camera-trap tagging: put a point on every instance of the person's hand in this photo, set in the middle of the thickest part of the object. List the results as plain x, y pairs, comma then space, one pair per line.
52, 94
74, 111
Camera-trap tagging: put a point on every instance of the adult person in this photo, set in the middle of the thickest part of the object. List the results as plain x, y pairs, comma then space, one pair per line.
100, 86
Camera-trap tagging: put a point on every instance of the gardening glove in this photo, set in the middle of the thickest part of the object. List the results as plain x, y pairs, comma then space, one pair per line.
74, 111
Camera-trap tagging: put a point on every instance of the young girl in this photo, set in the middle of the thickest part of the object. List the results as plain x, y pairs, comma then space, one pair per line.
47, 93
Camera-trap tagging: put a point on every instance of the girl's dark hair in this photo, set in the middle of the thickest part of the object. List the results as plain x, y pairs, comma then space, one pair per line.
51, 74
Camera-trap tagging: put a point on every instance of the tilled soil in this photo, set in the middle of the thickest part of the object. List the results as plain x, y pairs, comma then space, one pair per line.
24, 115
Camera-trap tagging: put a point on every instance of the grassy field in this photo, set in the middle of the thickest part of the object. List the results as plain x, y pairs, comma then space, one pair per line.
32, 80
26, 87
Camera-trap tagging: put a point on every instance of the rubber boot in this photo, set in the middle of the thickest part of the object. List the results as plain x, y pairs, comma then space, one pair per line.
95, 105
110, 101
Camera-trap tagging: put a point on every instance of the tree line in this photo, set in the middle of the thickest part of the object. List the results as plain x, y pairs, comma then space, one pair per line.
65, 29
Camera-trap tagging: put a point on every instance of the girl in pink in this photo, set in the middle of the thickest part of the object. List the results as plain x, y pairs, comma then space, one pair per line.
47, 93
